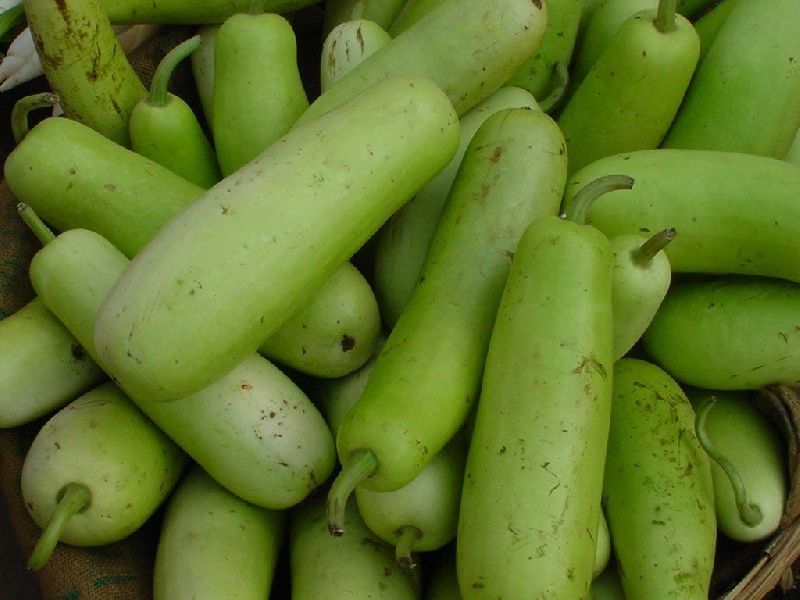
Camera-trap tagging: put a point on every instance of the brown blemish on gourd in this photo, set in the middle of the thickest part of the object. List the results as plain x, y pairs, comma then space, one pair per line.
347, 342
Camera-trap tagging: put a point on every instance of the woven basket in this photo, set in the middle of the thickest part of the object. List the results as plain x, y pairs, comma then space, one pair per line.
123, 570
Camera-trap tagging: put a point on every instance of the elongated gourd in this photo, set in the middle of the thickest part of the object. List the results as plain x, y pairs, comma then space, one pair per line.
163, 127
734, 212
534, 473
254, 106
254, 431
466, 47
424, 383
73, 177
728, 333
212, 544
604, 19
657, 493
745, 97
231, 268
85, 64
402, 243
631, 94
96, 471
32, 340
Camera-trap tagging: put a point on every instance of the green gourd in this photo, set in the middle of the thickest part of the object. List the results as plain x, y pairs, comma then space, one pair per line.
530, 503
73, 177
603, 20
85, 64
640, 280
728, 333
32, 340
348, 45
95, 472
465, 49
745, 97
421, 516
253, 106
657, 493
748, 465
629, 97
212, 544
254, 430
361, 565
402, 243
734, 212
425, 381
164, 128
233, 266
537, 74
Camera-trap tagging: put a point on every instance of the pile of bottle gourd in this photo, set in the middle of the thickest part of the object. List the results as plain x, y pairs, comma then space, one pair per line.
477, 310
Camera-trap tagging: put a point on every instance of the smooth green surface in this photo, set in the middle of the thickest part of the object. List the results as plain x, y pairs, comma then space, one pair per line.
255, 101
629, 97
733, 212
728, 333
214, 545
745, 96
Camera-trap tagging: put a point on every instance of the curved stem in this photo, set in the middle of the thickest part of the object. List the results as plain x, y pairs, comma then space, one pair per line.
665, 16
73, 498
361, 465
583, 199
644, 254
160, 83
404, 547
42, 232
23, 106
749, 513
561, 79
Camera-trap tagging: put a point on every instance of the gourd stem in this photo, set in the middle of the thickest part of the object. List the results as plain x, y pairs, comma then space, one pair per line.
561, 80
644, 254
23, 106
159, 86
361, 465
583, 199
750, 514
665, 16
42, 232
73, 498
404, 547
